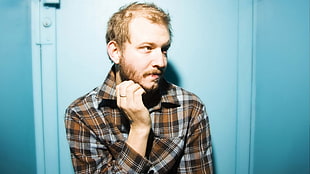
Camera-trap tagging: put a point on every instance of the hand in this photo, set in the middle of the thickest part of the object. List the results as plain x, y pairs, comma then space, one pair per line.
129, 99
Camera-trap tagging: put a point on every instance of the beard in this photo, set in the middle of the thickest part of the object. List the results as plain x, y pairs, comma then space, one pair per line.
129, 72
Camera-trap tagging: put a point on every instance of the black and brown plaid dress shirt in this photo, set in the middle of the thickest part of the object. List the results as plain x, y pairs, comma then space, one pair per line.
179, 142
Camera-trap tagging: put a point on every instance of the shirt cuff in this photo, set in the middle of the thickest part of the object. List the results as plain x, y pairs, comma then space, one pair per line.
129, 160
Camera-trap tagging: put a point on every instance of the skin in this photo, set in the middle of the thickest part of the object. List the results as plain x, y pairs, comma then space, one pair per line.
141, 65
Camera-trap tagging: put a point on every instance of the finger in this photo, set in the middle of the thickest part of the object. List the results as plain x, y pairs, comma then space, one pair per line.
132, 94
121, 90
138, 97
140, 91
123, 87
133, 88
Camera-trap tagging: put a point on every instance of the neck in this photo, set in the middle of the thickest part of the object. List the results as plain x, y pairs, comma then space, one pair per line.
150, 99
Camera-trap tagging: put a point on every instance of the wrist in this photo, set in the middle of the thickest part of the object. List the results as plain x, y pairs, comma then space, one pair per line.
140, 131
138, 138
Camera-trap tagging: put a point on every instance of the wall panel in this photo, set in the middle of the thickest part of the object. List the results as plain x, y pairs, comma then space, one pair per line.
17, 153
281, 139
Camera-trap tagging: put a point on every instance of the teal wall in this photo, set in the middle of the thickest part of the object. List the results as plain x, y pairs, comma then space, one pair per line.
281, 141
17, 149
281, 75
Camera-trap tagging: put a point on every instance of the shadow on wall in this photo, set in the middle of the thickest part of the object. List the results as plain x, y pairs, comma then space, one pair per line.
172, 75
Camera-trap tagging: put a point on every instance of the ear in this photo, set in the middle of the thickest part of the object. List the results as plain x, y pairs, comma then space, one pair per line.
114, 51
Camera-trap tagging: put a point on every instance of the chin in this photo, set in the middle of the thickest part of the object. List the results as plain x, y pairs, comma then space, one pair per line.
151, 88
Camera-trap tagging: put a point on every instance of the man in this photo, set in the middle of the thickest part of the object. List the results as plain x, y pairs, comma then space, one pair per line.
137, 122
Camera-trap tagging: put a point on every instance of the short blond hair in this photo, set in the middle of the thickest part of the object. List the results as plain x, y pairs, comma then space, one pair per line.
118, 25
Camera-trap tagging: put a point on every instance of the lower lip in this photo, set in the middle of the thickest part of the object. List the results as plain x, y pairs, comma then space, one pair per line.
155, 76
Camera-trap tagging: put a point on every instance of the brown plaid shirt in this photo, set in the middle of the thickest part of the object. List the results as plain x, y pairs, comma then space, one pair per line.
179, 142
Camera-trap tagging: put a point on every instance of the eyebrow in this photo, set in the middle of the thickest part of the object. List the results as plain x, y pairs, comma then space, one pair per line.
165, 45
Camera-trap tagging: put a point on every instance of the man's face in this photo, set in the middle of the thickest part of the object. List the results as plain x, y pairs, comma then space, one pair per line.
144, 58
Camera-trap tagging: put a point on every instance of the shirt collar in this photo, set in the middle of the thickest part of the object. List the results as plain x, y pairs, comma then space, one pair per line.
107, 92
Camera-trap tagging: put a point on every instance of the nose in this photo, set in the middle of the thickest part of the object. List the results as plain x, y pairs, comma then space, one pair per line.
159, 59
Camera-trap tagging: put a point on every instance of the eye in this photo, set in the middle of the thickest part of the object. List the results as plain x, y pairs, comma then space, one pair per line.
146, 49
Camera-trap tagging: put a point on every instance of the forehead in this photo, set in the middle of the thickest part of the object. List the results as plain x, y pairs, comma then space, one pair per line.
142, 29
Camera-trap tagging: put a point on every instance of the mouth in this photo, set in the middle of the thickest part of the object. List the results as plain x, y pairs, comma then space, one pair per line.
154, 74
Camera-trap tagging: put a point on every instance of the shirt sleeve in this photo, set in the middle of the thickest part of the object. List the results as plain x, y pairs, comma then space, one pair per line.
90, 154
197, 156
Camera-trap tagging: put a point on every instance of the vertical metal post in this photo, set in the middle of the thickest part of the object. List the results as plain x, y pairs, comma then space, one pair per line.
45, 86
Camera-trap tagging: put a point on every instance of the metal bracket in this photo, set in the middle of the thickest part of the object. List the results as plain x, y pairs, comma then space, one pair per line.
50, 2
47, 23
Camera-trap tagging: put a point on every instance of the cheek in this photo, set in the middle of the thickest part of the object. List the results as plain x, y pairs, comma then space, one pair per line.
140, 66
135, 63
130, 70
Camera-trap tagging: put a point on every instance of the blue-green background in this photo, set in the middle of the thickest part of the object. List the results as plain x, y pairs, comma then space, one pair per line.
281, 88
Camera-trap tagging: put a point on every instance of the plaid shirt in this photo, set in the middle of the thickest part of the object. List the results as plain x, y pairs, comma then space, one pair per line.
179, 141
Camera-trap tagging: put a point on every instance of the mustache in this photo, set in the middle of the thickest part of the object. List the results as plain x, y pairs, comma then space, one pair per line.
155, 71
